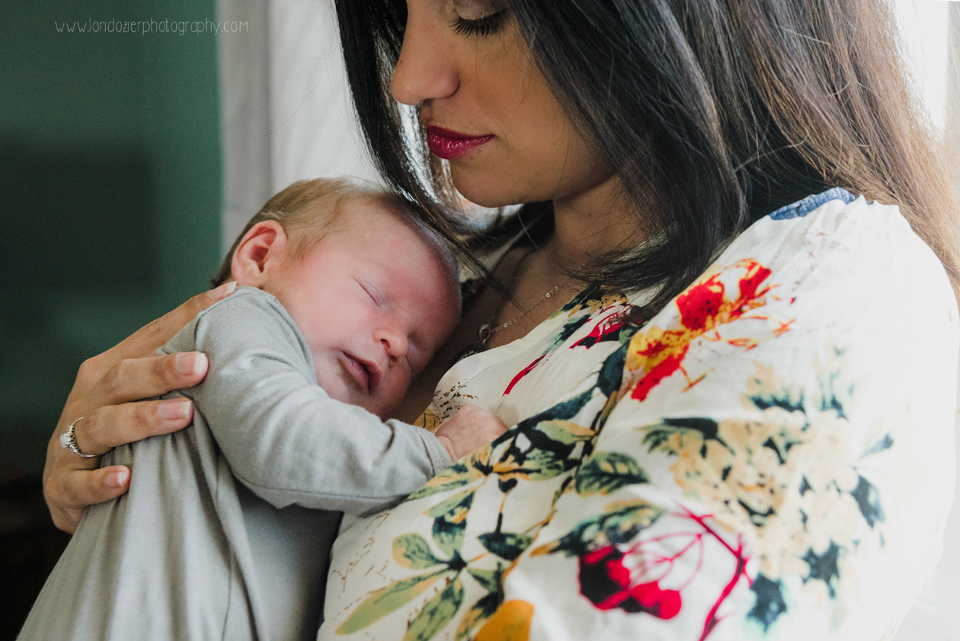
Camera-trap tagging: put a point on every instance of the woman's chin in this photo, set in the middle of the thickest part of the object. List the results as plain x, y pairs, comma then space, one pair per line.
490, 185
487, 191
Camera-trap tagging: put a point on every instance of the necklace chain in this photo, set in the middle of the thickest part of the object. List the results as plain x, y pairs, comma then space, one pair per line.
487, 330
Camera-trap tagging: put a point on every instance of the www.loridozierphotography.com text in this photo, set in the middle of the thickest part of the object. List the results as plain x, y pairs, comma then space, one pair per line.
147, 27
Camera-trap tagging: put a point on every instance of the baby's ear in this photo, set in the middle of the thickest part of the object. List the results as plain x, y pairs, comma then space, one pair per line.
260, 251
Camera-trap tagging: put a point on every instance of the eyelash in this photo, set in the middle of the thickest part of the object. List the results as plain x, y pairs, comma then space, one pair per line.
483, 27
369, 293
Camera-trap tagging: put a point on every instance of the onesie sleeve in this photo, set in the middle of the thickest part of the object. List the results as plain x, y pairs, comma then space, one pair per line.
282, 435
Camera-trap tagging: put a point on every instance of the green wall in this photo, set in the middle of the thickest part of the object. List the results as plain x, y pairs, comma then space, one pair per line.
109, 191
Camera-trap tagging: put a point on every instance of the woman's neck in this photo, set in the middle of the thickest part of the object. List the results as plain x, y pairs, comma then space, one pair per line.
587, 226
593, 223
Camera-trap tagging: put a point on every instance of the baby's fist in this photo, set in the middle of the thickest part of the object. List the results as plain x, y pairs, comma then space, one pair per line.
470, 428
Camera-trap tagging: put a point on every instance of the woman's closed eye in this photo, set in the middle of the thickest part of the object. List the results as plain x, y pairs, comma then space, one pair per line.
479, 17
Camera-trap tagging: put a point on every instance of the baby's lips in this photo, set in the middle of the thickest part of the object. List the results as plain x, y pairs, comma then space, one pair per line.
359, 372
375, 372
367, 373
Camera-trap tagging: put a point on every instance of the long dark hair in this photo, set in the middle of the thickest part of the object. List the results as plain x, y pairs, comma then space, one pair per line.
715, 112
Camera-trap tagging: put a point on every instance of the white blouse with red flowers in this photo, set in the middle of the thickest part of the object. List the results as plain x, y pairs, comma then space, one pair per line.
769, 457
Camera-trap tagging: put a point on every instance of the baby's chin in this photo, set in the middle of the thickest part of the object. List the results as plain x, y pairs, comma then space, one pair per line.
379, 408
385, 413
337, 382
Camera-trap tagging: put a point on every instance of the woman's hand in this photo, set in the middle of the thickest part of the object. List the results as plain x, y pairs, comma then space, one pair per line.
107, 394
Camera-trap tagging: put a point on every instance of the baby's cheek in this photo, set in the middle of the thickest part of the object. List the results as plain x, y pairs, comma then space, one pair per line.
337, 389
391, 395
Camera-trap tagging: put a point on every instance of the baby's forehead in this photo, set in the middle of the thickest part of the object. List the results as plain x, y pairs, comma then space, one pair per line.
405, 232
364, 210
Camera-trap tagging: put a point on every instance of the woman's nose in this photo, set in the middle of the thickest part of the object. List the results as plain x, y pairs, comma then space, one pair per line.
425, 69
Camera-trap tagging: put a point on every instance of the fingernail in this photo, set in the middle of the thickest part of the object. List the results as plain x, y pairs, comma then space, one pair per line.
222, 291
190, 363
117, 479
174, 409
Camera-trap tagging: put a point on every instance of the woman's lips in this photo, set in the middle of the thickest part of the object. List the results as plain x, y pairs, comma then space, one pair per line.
451, 144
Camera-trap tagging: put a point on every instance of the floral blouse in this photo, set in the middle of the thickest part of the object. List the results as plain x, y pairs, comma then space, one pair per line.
769, 457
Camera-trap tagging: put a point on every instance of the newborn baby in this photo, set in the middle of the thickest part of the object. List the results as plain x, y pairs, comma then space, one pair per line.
342, 301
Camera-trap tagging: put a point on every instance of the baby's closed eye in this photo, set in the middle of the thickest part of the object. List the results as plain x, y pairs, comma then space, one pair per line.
372, 291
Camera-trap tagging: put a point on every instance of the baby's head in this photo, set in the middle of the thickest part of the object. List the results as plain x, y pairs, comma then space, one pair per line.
373, 293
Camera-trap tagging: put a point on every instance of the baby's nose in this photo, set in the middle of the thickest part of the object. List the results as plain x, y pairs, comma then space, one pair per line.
394, 342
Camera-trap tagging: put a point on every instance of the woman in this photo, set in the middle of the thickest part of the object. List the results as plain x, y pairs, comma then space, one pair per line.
739, 423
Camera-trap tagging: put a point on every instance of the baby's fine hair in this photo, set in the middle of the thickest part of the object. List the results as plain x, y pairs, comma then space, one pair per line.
305, 208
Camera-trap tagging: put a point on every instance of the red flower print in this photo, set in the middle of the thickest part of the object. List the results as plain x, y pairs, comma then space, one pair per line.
526, 370
648, 597
655, 354
610, 327
606, 582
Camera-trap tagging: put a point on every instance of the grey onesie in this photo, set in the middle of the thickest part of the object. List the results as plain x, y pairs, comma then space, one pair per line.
189, 553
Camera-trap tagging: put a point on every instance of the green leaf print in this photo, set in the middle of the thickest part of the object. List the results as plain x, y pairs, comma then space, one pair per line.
388, 599
621, 523
607, 472
489, 580
533, 462
448, 536
478, 613
540, 460
542, 465
834, 393
436, 613
541, 447
455, 508
658, 436
565, 432
611, 373
506, 545
883, 444
492, 582
412, 551
868, 500
825, 567
593, 293
457, 475
450, 520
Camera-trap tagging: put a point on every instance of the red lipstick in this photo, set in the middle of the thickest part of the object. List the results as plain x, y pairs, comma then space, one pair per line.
451, 144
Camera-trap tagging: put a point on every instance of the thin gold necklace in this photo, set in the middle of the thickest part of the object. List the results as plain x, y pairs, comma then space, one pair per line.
488, 329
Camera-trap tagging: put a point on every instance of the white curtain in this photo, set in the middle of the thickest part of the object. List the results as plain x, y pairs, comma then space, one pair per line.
285, 109
244, 114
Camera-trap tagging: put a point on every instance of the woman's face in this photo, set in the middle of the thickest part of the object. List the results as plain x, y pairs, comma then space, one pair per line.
487, 108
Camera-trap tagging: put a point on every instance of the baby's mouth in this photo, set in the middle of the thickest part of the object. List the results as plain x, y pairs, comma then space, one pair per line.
366, 374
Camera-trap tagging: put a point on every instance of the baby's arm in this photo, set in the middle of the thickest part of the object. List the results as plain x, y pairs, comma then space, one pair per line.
470, 428
282, 436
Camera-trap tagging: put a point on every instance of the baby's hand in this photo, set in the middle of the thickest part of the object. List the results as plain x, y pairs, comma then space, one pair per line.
470, 428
